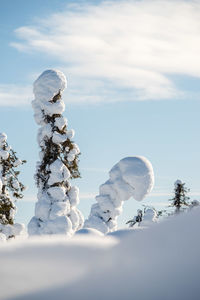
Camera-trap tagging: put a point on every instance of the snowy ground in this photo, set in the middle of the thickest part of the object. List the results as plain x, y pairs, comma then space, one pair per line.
161, 262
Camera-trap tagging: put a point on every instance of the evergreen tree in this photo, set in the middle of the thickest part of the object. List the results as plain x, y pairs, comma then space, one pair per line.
131, 177
10, 184
55, 211
180, 199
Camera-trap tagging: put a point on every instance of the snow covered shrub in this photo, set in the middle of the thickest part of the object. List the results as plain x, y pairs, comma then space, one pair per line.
9, 183
137, 219
55, 211
194, 203
145, 218
130, 177
180, 200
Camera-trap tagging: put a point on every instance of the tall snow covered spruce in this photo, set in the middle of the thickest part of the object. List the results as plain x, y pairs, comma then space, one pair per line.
9, 182
130, 177
55, 211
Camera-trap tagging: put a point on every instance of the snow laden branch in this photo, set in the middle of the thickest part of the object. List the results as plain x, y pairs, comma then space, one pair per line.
55, 211
9, 184
130, 177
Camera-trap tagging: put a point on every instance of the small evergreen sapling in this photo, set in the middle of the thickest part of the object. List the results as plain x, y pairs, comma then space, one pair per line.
180, 199
10, 184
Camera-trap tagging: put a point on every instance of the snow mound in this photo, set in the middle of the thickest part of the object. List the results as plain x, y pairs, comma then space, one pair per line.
121, 233
150, 217
16, 230
161, 262
195, 203
89, 231
2, 237
48, 84
130, 177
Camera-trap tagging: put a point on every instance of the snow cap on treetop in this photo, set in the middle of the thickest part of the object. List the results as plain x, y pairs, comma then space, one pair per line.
49, 84
177, 182
136, 172
3, 137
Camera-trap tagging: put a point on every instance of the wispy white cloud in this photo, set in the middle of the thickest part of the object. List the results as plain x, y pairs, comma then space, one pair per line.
33, 197
96, 170
87, 195
128, 45
170, 195
14, 95
161, 194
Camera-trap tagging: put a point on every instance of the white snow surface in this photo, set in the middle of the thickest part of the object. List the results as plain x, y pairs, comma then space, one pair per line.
89, 232
161, 262
130, 177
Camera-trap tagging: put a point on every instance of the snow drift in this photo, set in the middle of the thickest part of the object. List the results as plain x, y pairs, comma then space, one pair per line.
161, 262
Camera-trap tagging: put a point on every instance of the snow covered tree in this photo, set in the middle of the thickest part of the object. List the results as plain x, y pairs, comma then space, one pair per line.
180, 198
9, 184
55, 211
145, 217
137, 219
130, 177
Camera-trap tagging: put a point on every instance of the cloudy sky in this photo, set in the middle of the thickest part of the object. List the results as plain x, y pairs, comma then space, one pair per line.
133, 72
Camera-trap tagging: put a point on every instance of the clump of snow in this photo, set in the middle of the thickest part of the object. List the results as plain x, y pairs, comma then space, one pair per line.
3, 138
150, 216
130, 177
194, 203
2, 237
48, 84
136, 172
12, 231
177, 182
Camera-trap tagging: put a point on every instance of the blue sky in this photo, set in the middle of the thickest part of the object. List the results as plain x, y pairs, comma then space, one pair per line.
133, 73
